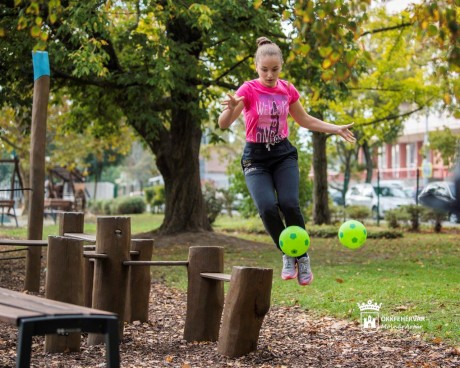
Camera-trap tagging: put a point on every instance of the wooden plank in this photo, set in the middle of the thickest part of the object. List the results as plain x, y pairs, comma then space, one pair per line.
37, 304
155, 263
93, 254
81, 236
12, 314
216, 276
14, 242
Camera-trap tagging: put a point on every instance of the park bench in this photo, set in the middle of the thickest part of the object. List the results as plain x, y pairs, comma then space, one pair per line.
39, 316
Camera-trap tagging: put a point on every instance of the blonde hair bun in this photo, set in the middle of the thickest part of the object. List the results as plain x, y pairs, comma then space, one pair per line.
263, 41
266, 47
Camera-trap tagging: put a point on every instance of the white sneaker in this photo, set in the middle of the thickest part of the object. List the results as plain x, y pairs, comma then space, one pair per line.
289, 269
305, 276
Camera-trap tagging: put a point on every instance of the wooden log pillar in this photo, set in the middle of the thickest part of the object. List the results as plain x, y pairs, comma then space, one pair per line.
139, 280
246, 304
113, 238
88, 281
205, 297
74, 222
71, 222
64, 283
37, 167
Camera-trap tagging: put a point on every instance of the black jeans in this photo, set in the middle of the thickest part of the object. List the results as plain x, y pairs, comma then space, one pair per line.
272, 177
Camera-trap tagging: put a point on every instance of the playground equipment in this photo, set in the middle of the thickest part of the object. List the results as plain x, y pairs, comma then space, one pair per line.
114, 275
8, 196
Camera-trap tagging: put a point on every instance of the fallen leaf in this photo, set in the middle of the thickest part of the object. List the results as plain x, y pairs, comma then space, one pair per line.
340, 281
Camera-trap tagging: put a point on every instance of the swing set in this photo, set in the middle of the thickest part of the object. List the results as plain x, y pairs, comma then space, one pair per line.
9, 196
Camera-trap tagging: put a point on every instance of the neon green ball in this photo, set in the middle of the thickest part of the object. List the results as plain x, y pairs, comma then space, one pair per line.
294, 241
352, 234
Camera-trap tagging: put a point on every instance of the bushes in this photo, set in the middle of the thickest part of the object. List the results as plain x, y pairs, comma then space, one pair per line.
130, 205
359, 213
118, 206
214, 204
412, 215
395, 216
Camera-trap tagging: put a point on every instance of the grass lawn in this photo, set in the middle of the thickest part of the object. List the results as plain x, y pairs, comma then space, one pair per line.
414, 277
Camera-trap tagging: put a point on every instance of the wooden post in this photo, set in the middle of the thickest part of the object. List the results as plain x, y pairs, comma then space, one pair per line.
37, 167
64, 283
71, 222
74, 222
205, 297
113, 237
246, 304
88, 281
137, 299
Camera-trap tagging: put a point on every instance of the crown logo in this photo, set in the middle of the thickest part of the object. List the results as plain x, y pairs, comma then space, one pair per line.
369, 306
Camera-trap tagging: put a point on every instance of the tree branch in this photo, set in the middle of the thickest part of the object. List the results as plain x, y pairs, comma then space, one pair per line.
374, 89
9, 143
392, 117
219, 84
232, 68
384, 29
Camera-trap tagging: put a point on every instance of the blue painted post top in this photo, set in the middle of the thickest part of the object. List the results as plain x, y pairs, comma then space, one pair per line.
41, 64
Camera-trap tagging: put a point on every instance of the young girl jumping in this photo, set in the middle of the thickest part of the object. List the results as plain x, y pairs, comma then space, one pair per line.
269, 160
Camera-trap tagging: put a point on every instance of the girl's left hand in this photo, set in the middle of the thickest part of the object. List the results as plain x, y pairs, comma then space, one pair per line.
345, 133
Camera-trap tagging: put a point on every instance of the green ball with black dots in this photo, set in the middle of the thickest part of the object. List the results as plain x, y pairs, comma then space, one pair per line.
352, 234
294, 241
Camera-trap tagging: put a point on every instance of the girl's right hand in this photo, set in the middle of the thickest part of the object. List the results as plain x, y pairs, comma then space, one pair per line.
232, 102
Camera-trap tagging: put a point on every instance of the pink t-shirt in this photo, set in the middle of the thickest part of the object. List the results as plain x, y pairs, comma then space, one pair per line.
266, 110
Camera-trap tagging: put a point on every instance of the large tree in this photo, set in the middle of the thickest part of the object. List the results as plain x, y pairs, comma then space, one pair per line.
157, 63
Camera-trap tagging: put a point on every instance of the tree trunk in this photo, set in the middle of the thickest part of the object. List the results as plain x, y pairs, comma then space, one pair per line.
368, 160
321, 213
178, 162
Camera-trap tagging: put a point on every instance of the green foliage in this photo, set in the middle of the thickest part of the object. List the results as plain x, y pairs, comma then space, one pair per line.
414, 212
238, 187
433, 216
129, 205
338, 213
359, 213
396, 216
101, 207
446, 143
214, 204
118, 206
149, 193
304, 161
228, 200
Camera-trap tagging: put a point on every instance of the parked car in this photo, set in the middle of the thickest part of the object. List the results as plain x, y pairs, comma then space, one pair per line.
336, 196
441, 195
365, 194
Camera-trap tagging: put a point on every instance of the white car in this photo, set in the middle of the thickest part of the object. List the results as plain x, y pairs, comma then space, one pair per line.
365, 194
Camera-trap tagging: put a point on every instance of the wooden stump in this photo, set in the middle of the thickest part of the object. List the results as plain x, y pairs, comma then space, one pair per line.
113, 238
205, 297
137, 300
64, 283
246, 304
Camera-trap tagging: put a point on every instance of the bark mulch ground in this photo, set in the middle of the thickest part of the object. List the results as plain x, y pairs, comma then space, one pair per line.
289, 337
